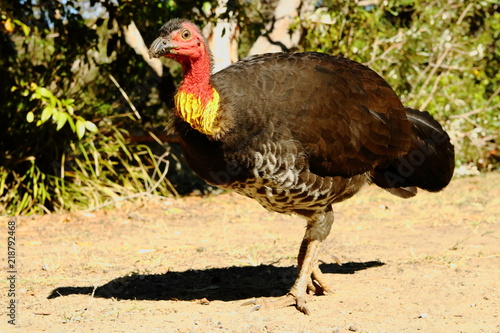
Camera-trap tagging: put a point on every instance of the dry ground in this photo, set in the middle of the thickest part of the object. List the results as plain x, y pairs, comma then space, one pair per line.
427, 264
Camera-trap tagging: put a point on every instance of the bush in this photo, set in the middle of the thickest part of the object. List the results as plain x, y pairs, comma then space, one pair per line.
65, 139
443, 59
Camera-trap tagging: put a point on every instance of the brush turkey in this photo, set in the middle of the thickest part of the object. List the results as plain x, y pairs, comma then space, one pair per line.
299, 132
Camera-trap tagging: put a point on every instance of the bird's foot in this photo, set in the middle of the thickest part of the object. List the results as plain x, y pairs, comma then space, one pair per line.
309, 280
317, 285
280, 302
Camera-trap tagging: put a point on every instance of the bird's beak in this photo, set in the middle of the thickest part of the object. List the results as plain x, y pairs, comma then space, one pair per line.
161, 46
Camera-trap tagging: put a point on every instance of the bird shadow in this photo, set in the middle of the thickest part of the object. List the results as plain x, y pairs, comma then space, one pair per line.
224, 284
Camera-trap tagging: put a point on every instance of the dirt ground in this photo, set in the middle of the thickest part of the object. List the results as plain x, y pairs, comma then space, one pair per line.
426, 264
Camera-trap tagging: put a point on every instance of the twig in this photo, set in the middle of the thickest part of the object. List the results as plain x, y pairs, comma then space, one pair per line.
462, 16
493, 96
465, 115
366, 3
435, 68
163, 174
124, 94
473, 112
156, 138
128, 197
45, 209
431, 94
455, 67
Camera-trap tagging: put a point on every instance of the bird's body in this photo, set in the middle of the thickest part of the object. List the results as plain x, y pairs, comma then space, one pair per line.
298, 132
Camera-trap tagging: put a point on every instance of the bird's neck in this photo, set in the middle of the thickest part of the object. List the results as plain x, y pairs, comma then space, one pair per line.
197, 102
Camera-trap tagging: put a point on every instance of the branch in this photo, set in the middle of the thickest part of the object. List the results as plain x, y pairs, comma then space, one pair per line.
124, 94
277, 38
134, 39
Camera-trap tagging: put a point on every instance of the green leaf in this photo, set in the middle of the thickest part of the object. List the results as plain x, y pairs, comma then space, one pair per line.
61, 120
30, 117
90, 126
46, 113
44, 92
25, 27
80, 128
68, 101
71, 124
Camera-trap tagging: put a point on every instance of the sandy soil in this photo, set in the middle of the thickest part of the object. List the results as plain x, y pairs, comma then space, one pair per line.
427, 264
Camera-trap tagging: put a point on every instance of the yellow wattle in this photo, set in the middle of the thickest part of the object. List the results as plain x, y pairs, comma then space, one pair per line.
199, 115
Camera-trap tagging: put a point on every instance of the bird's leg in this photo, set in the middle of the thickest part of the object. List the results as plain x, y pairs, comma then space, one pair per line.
308, 261
300, 260
306, 268
316, 285
310, 276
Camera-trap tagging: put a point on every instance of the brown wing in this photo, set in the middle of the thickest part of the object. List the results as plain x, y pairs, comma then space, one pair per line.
344, 115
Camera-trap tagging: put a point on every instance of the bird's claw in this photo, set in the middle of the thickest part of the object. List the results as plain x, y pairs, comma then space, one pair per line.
255, 302
280, 302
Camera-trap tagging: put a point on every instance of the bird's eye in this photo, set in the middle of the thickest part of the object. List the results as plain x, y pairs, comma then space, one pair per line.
185, 34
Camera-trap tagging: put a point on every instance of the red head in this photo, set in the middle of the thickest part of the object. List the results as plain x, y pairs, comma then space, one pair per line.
182, 41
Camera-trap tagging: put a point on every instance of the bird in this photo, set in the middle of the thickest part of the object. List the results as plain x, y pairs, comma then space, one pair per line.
299, 132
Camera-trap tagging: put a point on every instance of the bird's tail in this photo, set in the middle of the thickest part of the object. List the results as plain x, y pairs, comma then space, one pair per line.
429, 163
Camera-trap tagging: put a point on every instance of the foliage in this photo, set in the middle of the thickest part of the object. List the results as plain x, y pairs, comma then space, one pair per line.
439, 56
70, 140
67, 134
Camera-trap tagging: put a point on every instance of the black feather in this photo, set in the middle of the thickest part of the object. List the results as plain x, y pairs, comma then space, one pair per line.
428, 164
171, 26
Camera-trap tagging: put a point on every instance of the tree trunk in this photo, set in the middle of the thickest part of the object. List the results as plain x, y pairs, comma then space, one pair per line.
134, 39
222, 39
278, 37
